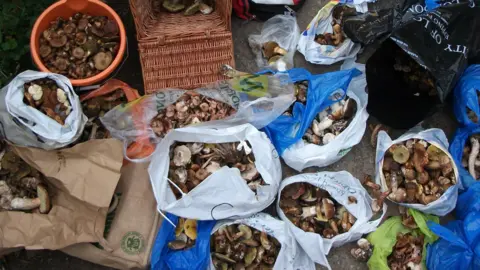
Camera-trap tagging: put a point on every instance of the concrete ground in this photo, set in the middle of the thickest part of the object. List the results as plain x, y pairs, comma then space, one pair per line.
359, 161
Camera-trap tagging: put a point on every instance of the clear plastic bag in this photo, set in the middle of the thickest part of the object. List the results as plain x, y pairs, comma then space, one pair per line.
258, 99
282, 29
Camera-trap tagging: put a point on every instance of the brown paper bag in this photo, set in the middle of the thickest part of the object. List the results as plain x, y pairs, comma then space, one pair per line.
81, 181
133, 227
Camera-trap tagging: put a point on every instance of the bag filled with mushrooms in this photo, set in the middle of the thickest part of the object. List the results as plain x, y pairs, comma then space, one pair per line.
398, 244
418, 171
326, 121
276, 44
324, 42
465, 150
143, 123
41, 110
326, 210
257, 242
207, 174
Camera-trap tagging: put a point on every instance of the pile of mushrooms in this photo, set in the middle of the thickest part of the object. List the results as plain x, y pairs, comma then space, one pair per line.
272, 52
414, 75
312, 209
364, 250
191, 163
191, 108
81, 46
470, 157
416, 171
329, 123
97, 107
337, 37
189, 7
375, 191
239, 246
407, 252
185, 234
301, 89
45, 96
21, 186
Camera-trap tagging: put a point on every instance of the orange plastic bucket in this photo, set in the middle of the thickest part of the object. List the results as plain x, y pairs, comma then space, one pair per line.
65, 9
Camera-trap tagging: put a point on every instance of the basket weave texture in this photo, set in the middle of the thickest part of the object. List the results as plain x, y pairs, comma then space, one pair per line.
178, 51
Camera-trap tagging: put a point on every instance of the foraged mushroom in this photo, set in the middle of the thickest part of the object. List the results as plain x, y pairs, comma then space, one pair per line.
21, 187
330, 122
254, 249
419, 173
185, 234
192, 163
41, 94
313, 210
189, 109
77, 42
407, 252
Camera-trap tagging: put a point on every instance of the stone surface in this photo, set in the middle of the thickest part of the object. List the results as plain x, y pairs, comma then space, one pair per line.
359, 161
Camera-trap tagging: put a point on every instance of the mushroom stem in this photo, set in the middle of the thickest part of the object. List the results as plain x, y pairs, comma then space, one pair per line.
473, 156
94, 131
25, 203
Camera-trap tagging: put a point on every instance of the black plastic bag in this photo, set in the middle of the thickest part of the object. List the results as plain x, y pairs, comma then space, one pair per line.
441, 41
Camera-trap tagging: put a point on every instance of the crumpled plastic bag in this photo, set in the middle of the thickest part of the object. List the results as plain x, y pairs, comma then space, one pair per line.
325, 54
291, 255
258, 99
443, 205
302, 155
340, 185
287, 130
466, 96
459, 245
456, 150
224, 194
385, 238
24, 125
196, 257
282, 29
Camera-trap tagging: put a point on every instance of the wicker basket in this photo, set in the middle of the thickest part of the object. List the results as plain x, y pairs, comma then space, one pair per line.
180, 51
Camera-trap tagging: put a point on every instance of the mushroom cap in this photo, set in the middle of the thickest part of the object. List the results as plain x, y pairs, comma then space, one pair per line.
80, 38
181, 155
78, 52
102, 60
337, 28
45, 50
61, 63
268, 49
328, 208
57, 40
250, 172
401, 154
190, 228
111, 28
173, 6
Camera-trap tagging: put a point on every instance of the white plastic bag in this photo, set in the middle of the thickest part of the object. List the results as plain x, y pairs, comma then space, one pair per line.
258, 107
446, 203
26, 126
224, 194
282, 29
303, 155
340, 185
291, 255
324, 54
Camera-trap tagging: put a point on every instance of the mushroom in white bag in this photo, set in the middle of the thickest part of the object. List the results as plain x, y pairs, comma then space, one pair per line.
326, 143
262, 241
418, 171
326, 210
208, 174
23, 124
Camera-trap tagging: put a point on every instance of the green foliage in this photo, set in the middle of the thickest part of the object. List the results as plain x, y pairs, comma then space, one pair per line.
16, 21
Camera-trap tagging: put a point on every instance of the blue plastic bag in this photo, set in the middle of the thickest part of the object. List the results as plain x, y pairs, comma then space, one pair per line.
465, 96
287, 130
194, 258
468, 202
458, 246
456, 150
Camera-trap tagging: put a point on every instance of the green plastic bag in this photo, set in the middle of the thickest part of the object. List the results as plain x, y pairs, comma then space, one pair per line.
385, 237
